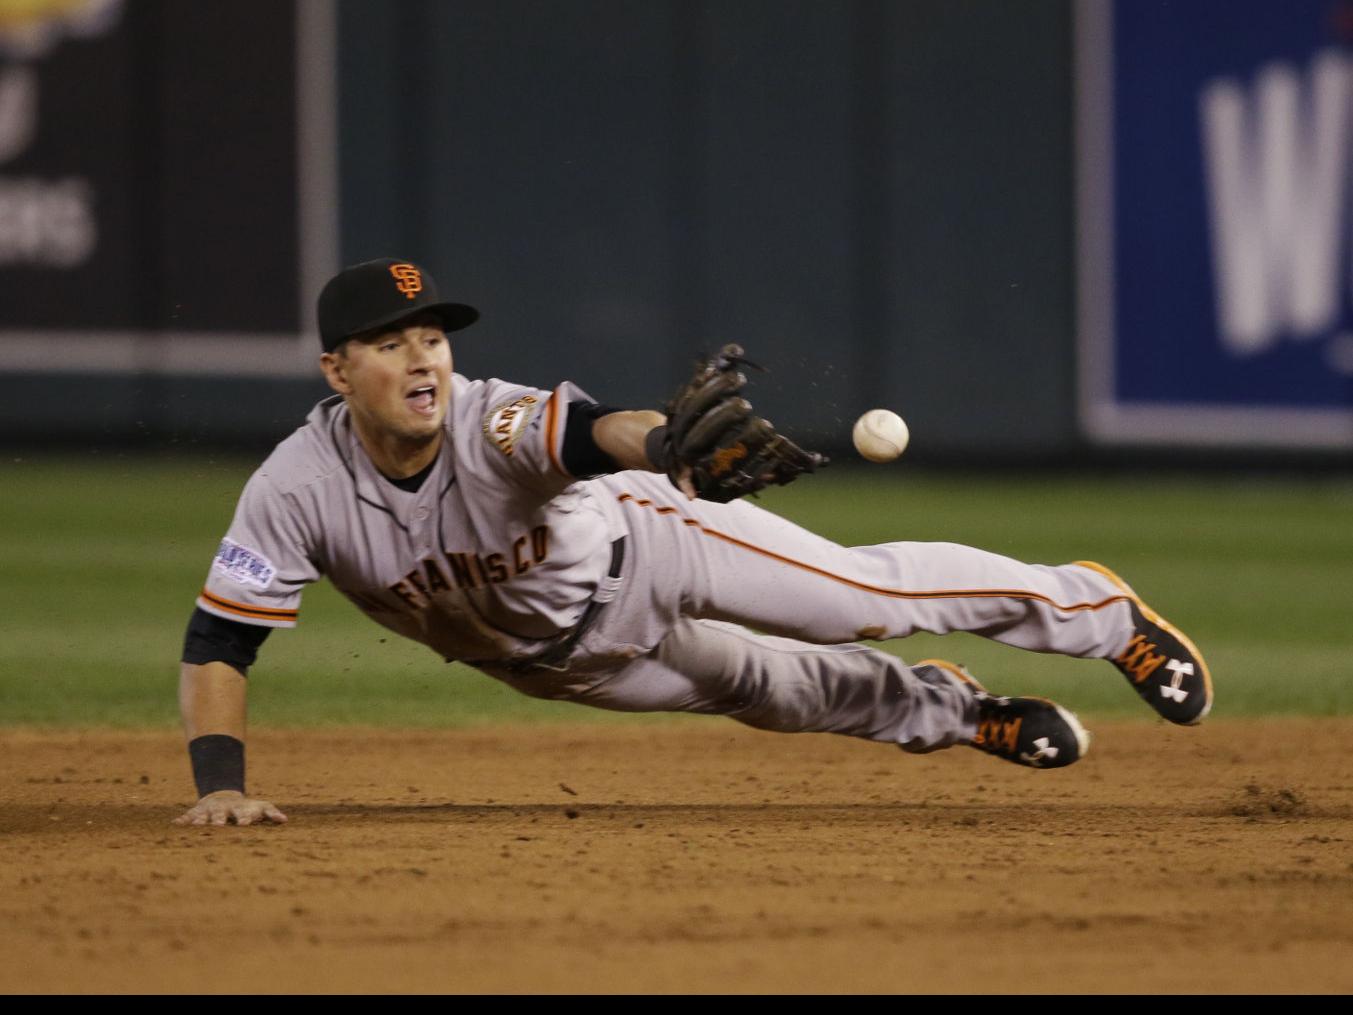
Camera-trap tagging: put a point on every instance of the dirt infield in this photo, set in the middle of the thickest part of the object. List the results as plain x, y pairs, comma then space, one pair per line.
695, 856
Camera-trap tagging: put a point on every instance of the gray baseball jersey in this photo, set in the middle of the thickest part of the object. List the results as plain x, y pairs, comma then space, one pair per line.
501, 554
492, 556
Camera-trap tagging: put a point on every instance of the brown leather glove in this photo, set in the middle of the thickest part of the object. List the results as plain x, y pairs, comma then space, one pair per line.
713, 439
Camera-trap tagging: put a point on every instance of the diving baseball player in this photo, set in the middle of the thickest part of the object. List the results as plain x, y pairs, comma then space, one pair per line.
578, 552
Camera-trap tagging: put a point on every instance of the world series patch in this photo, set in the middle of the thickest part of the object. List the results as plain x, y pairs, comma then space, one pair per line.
243, 565
505, 424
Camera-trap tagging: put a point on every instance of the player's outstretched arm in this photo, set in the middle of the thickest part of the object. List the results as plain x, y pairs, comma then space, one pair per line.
213, 702
622, 435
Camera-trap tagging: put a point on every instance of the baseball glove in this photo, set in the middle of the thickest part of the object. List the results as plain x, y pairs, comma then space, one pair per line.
713, 447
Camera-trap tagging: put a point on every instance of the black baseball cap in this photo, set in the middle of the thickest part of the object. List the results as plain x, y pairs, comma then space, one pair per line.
378, 293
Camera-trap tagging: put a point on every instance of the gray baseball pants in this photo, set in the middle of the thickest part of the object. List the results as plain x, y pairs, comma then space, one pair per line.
697, 575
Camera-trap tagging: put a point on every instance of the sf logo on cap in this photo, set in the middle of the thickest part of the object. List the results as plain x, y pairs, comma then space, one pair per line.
408, 279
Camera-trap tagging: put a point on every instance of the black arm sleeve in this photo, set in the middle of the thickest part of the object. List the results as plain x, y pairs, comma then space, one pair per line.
580, 454
213, 639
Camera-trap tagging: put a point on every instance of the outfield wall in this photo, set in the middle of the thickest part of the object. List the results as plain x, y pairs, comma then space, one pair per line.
873, 198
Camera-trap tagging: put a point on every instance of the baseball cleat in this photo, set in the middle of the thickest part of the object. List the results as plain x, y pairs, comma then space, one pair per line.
1160, 662
1033, 732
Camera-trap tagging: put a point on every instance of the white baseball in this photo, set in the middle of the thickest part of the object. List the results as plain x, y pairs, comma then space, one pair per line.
880, 435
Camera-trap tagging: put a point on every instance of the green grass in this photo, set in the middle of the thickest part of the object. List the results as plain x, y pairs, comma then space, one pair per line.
100, 561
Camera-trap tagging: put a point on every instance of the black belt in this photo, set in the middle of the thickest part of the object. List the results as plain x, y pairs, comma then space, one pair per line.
554, 657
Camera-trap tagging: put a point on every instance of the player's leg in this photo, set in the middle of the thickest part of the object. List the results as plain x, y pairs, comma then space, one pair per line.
789, 686
738, 563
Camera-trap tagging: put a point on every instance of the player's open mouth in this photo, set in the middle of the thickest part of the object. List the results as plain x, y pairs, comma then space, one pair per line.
423, 399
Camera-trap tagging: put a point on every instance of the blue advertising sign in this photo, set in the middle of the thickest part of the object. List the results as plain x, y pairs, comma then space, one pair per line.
1215, 146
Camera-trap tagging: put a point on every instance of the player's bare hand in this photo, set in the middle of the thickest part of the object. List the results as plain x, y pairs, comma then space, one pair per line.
230, 807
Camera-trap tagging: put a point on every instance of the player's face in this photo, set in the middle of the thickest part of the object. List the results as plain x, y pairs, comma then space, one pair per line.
397, 381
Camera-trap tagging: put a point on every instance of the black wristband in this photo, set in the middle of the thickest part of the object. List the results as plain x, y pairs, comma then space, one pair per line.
655, 447
218, 763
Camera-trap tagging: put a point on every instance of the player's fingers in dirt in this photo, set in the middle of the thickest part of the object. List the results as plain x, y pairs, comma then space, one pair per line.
192, 817
227, 812
259, 812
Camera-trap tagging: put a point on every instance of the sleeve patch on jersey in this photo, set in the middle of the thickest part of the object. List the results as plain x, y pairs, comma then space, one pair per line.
505, 424
243, 565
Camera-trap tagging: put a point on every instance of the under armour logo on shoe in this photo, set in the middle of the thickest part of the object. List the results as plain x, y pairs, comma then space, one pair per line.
1045, 750
1178, 670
